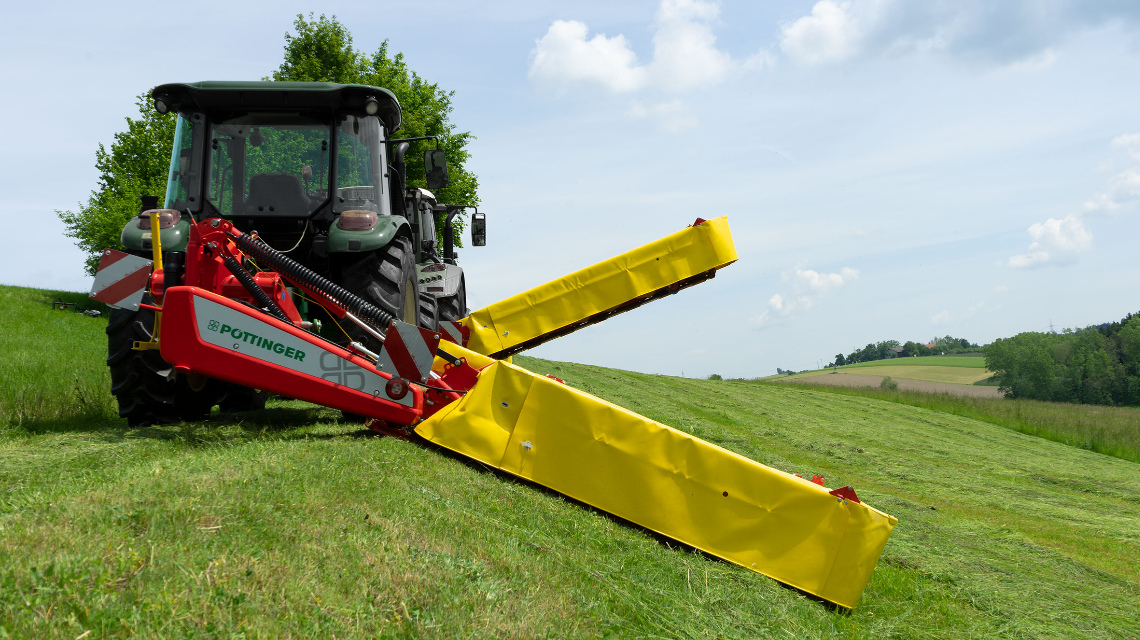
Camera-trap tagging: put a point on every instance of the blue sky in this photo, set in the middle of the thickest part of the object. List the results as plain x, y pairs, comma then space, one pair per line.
891, 169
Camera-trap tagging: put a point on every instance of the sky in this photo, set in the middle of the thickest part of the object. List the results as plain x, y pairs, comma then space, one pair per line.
890, 169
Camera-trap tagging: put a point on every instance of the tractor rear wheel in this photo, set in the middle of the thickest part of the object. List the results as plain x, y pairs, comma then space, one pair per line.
148, 389
429, 311
385, 278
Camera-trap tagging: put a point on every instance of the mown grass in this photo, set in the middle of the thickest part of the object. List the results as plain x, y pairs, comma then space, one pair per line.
288, 523
1112, 431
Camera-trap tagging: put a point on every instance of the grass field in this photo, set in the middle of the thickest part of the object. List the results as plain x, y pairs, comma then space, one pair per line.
288, 524
963, 362
948, 369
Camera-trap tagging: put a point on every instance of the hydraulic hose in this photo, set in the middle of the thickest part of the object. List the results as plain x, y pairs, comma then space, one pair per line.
255, 291
297, 272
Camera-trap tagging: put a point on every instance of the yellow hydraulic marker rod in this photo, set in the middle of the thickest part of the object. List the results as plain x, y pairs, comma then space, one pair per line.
156, 251
613, 286
663, 479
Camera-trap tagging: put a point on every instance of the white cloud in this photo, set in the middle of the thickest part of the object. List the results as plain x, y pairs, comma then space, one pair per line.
1130, 142
1001, 288
1123, 188
1060, 241
684, 48
565, 57
942, 318
673, 116
1056, 242
808, 286
1019, 34
685, 54
824, 282
829, 34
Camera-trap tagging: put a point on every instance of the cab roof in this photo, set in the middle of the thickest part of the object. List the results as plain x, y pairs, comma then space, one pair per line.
279, 96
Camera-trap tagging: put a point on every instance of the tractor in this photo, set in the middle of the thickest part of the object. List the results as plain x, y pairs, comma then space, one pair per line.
314, 170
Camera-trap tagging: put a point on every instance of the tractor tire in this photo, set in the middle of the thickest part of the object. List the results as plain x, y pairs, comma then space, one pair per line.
385, 278
454, 307
148, 389
429, 311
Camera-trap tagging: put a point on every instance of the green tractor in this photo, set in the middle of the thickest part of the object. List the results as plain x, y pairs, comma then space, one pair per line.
312, 168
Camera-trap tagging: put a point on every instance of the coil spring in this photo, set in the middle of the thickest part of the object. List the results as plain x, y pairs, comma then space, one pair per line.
299, 273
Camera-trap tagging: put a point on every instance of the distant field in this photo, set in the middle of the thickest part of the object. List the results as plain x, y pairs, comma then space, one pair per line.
968, 362
944, 369
864, 380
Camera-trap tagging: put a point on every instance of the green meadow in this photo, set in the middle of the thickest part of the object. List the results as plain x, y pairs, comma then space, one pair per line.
290, 523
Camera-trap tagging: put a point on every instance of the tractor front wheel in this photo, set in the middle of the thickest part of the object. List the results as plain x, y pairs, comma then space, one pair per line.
385, 278
148, 389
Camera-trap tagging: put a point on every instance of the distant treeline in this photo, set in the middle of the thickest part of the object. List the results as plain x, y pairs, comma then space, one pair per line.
890, 349
1094, 365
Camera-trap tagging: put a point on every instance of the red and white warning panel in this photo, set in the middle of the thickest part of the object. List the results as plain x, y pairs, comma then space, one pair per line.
121, 279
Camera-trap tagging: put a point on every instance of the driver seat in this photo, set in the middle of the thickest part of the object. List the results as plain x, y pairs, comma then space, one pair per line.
276, 193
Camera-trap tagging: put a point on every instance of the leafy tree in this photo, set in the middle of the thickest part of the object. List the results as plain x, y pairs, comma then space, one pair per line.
321, 50
135, 166
840, 360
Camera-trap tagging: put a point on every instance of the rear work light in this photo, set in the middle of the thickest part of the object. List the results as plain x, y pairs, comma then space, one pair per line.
166, 218
356, 220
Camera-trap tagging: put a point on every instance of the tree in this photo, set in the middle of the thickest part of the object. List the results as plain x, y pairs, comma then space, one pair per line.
321, 50
840, 360
135, 166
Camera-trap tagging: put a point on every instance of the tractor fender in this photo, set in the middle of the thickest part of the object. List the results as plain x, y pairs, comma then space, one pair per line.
387, 228
173, 238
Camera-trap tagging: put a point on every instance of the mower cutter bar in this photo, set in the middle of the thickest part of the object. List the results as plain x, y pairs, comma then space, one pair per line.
602, 290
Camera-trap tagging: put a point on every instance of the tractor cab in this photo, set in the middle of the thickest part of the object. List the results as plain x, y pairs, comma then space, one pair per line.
281, 161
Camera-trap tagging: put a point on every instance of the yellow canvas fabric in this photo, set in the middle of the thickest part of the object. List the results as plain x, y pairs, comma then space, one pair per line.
601, 287
665, 480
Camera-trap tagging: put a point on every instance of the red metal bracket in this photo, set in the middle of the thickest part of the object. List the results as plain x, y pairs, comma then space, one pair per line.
845, 493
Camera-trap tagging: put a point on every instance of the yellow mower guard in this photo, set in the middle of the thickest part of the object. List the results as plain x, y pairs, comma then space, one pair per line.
665, 480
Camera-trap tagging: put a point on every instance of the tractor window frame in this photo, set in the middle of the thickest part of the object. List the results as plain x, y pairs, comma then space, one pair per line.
356, 193
232, 163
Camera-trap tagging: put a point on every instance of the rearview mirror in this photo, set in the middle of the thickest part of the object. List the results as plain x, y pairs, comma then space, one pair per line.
479, 229
435, 165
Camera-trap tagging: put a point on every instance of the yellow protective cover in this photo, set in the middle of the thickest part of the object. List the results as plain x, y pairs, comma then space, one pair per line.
601, 287
666, 480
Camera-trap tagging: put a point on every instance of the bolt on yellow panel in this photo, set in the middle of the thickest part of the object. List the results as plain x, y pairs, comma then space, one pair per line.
665, 480
609, 284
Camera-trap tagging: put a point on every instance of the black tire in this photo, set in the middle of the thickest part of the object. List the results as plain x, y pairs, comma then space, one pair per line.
387, 279
429, 311
148, 389
236, 398
454, 307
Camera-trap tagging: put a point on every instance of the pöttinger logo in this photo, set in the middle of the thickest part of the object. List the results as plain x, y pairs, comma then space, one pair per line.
213, 326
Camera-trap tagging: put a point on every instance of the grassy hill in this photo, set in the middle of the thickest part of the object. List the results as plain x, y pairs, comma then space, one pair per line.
288, 523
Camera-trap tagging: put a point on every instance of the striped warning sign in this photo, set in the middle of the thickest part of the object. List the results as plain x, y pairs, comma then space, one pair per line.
453, 331
409, 350
121, 279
